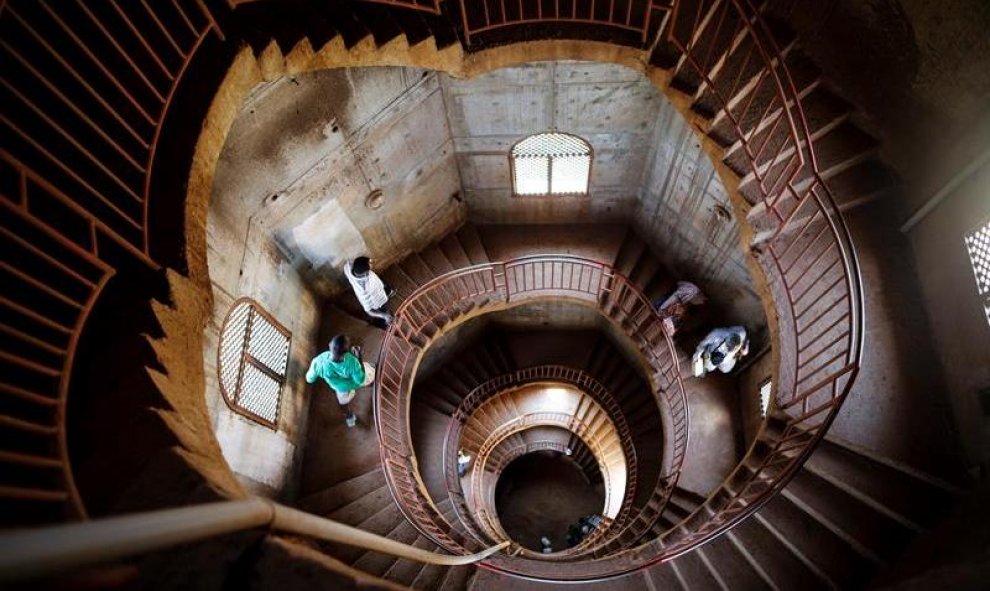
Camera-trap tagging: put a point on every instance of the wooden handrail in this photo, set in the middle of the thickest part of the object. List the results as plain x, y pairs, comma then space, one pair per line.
50, 550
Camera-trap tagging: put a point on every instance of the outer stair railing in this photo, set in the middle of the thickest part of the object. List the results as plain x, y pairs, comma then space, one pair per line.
453, 298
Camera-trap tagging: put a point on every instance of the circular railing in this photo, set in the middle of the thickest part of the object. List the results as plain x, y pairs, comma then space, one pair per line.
505, 458
452, 298
805, 251
581, 426
543, 373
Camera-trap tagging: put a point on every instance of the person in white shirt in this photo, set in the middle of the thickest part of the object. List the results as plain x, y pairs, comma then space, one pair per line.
673, 309
369, 289
720, 350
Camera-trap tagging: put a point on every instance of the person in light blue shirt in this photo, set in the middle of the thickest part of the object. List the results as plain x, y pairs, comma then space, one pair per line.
342, 369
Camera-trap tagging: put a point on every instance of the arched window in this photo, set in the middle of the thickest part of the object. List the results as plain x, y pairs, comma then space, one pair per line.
550, 164
251, 362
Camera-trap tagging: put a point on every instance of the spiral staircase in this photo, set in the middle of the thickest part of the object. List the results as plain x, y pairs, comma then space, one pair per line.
843, 516
89, 197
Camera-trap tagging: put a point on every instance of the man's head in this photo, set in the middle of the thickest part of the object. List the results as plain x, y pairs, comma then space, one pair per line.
339, 346
361, 266
717, 357
734, 341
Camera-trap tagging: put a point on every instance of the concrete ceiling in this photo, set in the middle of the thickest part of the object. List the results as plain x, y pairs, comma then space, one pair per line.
306, 151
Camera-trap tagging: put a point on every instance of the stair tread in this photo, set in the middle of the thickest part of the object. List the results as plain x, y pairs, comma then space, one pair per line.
784, 568
470, 240
341, 493
830, 554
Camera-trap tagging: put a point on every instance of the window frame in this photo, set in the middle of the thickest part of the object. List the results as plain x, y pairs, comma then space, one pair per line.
550, 193
255, 308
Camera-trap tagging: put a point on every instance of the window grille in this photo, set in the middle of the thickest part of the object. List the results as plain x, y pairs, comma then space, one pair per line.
252, 360
978, 245
766, 389
550, 164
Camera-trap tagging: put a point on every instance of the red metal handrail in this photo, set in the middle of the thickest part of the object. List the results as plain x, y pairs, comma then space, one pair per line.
819, 314
83, 128
445, 300
627, 15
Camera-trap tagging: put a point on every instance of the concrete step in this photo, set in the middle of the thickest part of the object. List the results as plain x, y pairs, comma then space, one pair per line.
756, 101
470, 240
879, 533
454, 251
327, 501
379, 564
737, 67
417, 269
911, 495
456, 578
646, 269
733, 566
836, 148
696, 573
436, 260
599, 242
380, 521
489, 581
712, 38
404, 572
429, 577
822, 109
630, 251
360, 508
424, 395
861, 181
398, 279
289, 564
663, 577
428, 443
783, 567
816, 543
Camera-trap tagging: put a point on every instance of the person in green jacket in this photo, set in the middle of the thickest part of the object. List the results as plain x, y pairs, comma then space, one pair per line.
341, 368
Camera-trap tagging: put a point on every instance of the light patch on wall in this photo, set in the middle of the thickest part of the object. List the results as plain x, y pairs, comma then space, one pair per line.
262, 455
329, 237
766, 389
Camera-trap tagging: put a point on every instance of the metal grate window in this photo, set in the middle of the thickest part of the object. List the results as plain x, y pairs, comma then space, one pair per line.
252, 359
550, 164
978, 245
